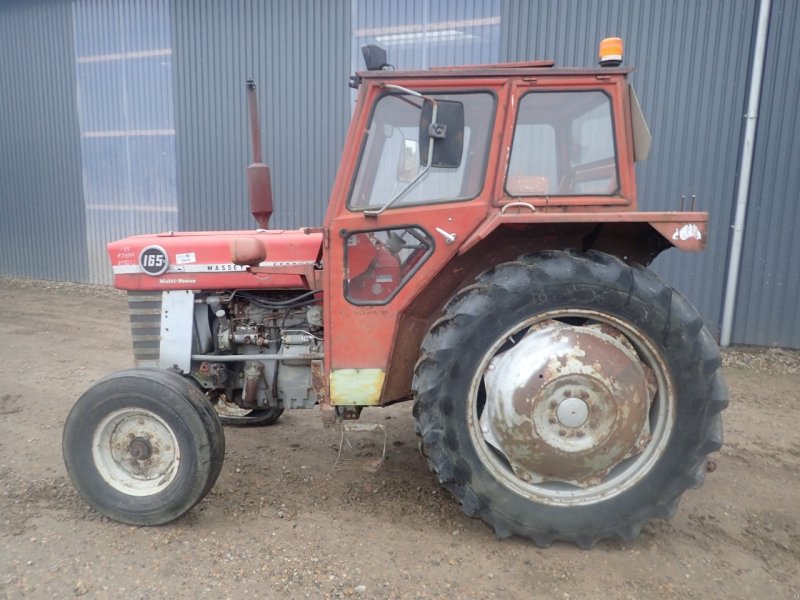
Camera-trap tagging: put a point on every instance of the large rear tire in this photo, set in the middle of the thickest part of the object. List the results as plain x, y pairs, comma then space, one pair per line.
570, 397
143, 446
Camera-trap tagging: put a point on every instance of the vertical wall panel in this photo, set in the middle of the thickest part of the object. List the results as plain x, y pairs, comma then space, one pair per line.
123, 61
428, 33
299, 55
768, 298
42, 231
692, 70
129, 116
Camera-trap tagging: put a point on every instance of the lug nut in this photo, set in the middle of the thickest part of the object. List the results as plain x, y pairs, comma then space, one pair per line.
562, 432
552, 420
554, 404
567, 393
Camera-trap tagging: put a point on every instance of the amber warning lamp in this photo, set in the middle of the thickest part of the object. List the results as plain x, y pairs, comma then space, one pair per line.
611, 52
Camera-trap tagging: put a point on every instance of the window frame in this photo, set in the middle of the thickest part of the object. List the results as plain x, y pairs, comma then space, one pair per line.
490, 129
624, 194
402, 284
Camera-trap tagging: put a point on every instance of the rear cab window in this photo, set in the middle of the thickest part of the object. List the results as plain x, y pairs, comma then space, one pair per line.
563, 145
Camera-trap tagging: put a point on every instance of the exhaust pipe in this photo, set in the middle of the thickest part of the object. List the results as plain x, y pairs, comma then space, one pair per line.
259, 184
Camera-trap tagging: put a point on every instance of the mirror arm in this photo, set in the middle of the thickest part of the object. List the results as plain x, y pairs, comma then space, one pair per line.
402, 194
413, 182
400, 88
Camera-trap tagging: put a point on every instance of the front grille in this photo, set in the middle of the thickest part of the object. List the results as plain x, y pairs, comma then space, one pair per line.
144, 311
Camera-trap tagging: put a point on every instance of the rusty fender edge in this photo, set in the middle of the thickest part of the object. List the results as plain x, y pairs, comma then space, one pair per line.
684, 230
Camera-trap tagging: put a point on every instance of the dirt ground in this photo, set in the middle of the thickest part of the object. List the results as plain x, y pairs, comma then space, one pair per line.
281, 523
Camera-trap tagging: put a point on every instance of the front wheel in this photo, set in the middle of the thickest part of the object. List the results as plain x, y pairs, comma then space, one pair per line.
569, 396
143, 446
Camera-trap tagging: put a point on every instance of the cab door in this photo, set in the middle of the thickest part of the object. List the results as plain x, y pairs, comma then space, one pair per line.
396, 221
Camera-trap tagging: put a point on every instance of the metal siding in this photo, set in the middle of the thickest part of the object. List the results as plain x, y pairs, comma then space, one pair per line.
124, 88
692, 72
299, 55
42, 230
428, 33
768, 298
64, 192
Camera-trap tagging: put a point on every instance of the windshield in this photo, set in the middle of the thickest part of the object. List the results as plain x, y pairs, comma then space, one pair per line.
390, 163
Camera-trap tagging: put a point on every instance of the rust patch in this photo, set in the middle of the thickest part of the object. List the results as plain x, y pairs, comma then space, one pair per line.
356, 387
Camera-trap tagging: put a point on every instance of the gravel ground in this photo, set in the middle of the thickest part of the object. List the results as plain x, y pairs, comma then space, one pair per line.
282, 523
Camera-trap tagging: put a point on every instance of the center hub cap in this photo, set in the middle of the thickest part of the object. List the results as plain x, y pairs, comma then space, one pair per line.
572, 412
140, 449
567, 403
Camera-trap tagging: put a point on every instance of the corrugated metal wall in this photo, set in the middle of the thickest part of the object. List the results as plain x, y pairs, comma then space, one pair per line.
691, 79
42, 226
422, 33
299, 55
124, 116
768, 298
123, 65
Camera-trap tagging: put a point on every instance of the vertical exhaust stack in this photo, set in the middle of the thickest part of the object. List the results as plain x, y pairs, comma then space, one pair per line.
259, 184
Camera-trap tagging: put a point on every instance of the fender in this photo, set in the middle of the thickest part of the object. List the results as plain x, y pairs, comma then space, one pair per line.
683, 230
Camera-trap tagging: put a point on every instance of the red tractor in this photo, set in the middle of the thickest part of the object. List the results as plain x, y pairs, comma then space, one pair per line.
482, 256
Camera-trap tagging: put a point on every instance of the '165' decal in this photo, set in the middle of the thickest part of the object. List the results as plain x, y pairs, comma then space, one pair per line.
153, 260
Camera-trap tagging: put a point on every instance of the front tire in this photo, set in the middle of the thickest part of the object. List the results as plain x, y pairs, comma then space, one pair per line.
143, 446
569, 397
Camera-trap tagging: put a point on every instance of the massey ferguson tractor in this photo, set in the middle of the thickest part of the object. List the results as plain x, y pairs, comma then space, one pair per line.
483, 257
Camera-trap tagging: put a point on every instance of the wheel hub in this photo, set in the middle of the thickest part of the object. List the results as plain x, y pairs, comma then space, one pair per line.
572, 412
567, 403
140, 448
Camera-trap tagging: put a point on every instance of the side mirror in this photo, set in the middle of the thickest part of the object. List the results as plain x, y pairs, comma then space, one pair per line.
447, 132
408, 162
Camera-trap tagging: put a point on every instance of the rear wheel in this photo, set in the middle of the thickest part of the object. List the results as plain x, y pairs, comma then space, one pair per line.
569, 396
143, 446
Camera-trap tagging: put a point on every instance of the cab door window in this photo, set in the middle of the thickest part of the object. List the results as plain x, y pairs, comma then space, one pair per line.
379, 262
390, 161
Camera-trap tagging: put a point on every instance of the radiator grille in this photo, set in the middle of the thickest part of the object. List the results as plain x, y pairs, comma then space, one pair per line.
144, 311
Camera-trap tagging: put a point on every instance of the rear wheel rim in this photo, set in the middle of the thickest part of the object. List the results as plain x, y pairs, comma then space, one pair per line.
500, 460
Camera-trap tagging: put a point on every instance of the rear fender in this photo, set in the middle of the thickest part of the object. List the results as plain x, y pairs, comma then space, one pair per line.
634, 241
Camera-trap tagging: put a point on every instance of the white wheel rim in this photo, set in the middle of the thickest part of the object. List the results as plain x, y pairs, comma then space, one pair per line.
136, 452
627, 472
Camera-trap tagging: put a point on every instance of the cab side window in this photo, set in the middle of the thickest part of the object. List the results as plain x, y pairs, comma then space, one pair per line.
563, 146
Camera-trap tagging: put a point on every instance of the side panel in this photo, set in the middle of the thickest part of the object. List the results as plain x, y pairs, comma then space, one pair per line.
177, 316
204, 261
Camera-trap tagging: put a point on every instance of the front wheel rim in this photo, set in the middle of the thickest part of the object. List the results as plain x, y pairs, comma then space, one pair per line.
530, 479
136, 452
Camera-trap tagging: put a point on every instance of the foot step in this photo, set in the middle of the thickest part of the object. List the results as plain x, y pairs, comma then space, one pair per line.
361, 452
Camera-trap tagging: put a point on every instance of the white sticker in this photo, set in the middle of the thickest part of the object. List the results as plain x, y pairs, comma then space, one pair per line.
186, 258
688, 231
